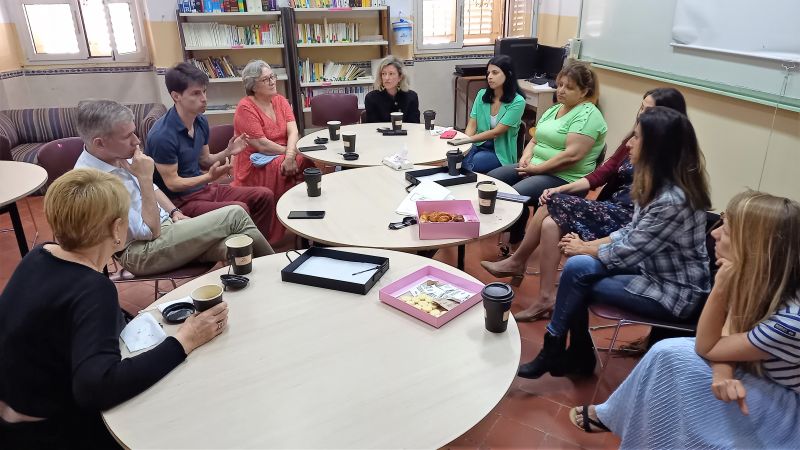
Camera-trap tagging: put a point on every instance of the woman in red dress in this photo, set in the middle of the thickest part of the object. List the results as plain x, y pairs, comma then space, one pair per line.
271, 158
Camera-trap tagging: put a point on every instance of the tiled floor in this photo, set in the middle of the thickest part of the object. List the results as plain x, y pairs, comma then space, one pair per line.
533, 413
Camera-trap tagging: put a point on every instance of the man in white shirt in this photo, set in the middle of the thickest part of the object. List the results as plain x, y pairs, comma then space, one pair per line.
160, 236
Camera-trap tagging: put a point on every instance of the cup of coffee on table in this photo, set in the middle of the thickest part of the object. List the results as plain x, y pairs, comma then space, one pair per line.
349, 141
430, 119
497, 298
313, 178
487, 197
454, 159
206, 297
333, 129
240, 253
397, 121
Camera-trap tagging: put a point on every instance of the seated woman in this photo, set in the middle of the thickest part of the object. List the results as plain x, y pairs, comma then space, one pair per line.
60, 322
563, 211
569, 138
391, 94
656, 267
271, 158
494, 121
747, 348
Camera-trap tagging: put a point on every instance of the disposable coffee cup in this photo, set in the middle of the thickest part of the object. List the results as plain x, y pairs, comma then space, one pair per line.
454, 159
497, 299
206, 297
333, 129
349, 141
487, 197
240, 253
430, 118
313, 178
397, 121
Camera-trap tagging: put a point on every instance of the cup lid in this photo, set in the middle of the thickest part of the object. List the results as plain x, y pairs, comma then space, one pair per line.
454, 152
334, 122
312, 171
497, 291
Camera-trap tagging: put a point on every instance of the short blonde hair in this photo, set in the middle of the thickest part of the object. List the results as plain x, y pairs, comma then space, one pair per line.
391, 60
81, 206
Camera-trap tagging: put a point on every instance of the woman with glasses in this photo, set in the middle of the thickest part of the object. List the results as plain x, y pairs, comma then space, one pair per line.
271, 158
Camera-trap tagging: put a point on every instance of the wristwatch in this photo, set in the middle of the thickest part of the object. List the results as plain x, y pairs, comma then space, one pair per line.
174, 210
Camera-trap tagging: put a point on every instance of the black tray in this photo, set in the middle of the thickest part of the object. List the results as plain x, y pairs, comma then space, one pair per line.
288, 274
467, 176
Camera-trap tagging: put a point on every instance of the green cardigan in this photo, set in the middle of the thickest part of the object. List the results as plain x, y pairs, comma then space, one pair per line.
510, 114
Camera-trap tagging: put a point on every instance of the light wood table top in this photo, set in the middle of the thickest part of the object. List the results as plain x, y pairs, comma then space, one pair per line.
359, 205
19, 179
304, 367
372, 146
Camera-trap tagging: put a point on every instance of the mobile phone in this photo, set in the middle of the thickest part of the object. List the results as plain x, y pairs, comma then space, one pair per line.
312, 148
513, 198
454, 143
306, 214
383, 129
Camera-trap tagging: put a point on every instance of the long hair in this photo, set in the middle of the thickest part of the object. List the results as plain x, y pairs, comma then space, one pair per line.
669, 97
765, 243
669, 154
510, 86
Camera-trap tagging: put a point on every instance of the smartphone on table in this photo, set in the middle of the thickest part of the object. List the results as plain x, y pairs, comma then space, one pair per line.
306, 214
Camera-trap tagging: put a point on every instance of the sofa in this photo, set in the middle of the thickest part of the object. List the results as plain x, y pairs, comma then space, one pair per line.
24, 131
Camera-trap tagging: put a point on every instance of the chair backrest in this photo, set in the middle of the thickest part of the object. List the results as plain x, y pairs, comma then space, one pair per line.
59, 157
341, 107
218, 138
523, 132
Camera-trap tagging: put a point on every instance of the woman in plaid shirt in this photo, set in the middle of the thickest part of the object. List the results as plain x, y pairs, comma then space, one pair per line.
657, 266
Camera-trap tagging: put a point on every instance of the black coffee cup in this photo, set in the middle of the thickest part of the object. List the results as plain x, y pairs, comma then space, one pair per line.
349, 141
206, 297
397, 121
454, 159
240, 253
497, 298
430, 118
487, 197
313, 178
333, 129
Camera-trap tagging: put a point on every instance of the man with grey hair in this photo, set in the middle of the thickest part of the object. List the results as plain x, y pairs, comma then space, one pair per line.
160, 238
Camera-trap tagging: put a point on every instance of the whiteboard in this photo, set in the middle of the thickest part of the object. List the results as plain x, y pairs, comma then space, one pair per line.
637, 36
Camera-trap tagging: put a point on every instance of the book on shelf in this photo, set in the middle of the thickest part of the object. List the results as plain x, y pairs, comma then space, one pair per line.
321, 33
336, 4
200, 6
311, 72
216, 67
359, 91
211, 34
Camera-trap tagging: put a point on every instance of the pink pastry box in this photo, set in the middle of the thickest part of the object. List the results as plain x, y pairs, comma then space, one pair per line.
469, 228
390, 294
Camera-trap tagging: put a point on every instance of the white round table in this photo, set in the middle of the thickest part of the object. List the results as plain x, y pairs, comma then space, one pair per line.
304, 367
17, 181
360, 204
372, 146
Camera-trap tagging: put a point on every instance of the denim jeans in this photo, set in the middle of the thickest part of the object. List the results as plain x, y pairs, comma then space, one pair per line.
584, 281
482, 158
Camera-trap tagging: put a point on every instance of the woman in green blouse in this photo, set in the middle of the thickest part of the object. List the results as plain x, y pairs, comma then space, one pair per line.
494, 121
569, 138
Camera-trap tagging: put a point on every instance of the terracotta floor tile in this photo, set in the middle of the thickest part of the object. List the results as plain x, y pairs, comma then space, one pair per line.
509, 434
551, 442
528, 409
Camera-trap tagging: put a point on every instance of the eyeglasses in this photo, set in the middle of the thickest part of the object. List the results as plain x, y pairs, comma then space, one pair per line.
268, 79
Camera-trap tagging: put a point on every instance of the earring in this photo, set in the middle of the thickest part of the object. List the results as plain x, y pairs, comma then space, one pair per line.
117, 242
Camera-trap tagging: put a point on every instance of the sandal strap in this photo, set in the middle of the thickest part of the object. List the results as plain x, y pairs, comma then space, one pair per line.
588, 421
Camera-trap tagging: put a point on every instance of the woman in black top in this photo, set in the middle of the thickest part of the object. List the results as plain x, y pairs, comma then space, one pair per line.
391, 94
60, 322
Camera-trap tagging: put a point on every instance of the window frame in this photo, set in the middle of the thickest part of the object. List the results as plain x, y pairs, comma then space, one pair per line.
458, 46
83, 56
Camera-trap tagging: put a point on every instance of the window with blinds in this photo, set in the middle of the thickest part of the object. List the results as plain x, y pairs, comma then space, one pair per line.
483, 21
520, 18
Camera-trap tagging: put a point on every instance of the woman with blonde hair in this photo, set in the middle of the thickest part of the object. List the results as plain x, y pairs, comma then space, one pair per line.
60, 322
392, 94
747, 348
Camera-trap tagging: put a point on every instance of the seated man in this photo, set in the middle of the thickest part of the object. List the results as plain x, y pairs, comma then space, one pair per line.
178, 143
157, 241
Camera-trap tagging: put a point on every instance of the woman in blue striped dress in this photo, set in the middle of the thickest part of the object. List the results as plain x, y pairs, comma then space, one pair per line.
737, 385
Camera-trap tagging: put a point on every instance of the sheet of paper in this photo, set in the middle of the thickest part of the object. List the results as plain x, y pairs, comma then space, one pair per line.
142, 332
337, 269
438, 176
426, 190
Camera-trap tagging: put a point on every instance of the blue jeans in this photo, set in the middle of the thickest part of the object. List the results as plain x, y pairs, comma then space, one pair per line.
584, 281
482, 158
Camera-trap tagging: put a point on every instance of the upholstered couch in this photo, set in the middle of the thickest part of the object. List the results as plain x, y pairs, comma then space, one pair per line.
24, 131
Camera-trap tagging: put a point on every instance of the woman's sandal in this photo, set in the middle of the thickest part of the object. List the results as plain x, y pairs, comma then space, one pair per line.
542, 313
589, 425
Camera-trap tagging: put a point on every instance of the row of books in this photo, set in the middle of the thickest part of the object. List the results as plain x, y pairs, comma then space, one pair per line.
318, 33
214, 34
216, 67
359, 91
199, 6
300, 4
311, 72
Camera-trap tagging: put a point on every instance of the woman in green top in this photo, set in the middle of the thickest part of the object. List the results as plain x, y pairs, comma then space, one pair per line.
494, 121
569, 138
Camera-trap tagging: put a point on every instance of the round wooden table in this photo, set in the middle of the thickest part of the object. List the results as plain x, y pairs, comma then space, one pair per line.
372, 146
360, 204
17, 181
304, 367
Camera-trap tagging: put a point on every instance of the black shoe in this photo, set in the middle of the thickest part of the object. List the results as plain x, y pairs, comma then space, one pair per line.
548, 360
579, 359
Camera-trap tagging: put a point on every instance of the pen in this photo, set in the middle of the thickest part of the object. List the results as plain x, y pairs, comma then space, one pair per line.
366, 270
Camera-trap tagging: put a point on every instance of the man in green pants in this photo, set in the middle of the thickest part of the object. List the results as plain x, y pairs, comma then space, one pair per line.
160, 238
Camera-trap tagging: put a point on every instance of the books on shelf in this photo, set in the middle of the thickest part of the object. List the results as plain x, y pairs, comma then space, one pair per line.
319, 33
359, 91
302, 4
216, 67
311, 72
218, 6
212, 34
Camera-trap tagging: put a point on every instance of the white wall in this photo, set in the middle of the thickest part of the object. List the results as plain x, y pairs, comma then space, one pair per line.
433, 82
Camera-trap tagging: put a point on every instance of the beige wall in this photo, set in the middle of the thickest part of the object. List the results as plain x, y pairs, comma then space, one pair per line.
554, 30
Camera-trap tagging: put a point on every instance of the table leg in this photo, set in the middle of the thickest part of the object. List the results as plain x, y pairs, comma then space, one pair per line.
19, 232
427, 253
462, 249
